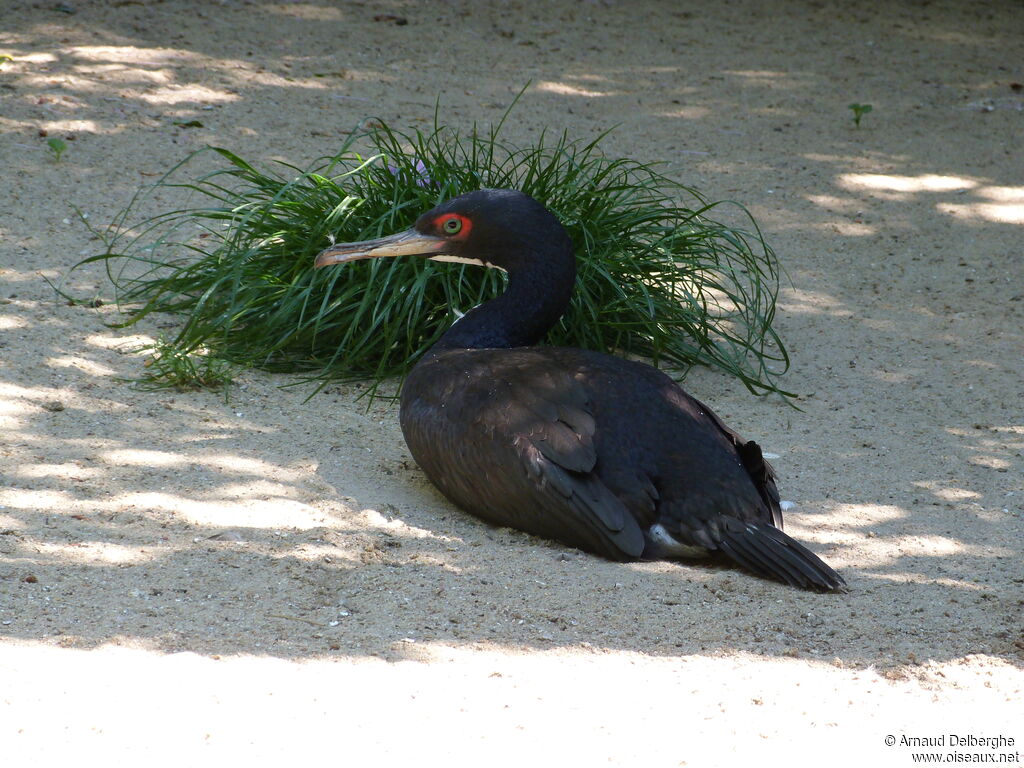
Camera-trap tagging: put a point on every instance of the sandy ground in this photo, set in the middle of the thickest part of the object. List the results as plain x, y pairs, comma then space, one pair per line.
189, 580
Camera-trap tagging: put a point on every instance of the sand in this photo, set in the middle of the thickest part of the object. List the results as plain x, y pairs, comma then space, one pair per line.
187, 579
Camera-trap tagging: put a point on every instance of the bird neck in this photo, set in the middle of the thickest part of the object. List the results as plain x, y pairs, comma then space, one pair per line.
535, 298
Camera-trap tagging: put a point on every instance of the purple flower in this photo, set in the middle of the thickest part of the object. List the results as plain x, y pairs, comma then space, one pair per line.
422, 177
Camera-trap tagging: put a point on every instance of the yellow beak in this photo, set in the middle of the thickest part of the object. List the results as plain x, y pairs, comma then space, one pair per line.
408, 243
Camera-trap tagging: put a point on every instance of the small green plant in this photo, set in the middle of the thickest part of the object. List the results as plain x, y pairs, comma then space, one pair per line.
658, 277
859, 110
171, 366
57, 148
4, 58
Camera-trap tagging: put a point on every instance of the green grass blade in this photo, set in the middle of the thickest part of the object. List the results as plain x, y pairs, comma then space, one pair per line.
659, 276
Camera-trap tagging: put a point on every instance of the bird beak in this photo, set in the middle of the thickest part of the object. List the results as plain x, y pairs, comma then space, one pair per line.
408, 243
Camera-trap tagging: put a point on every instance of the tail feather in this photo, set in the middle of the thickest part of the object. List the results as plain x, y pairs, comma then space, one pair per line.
755, 556
768, 552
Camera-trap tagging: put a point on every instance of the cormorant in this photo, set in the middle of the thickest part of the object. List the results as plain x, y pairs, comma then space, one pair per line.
600, 453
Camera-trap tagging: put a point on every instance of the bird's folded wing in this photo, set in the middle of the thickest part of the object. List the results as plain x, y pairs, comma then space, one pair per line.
760, 471
546, 425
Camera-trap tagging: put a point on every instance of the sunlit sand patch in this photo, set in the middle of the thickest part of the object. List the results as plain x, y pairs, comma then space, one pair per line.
192, 93
126, 343
67, 471
219, 431
82, 364
252, 489
868, 514
15, 400
99, 552
880, 324
813, 303
846, 528
307, 11
848, 228
987, 364
1002, 517
35, 58
831, 202
564, 89
1002, 194
319, 553
928, 182
696, 573
270, 512
936, 546
72, 126
35, 499
376, 520
770, 74
484, 701
162, 65
1006, 206
241, 464
768, 78
136, 57
992, 462
882, 551
1000, 213
687, 113
947, 493
8, 523
120, 73
894, 377
243, 513
1013, 429
21, 275
88, 445
275, 80
10, 322
146, 458
224, 462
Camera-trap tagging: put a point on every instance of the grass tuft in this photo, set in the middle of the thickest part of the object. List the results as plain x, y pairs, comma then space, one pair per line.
659, 277
171, 366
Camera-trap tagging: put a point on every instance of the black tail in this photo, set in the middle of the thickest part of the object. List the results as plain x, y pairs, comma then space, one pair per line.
767, 551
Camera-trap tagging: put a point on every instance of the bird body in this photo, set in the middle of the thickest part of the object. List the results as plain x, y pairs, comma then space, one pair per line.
598, 452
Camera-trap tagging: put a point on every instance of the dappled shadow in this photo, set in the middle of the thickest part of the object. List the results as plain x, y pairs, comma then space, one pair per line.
181, 521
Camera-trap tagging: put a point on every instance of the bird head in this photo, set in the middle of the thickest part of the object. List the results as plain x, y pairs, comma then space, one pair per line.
500, 228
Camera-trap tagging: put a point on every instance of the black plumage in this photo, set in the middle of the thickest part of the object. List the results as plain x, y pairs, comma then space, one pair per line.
598, 452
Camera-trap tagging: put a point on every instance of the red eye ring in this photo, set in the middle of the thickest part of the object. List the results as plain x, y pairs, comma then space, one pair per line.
453, 225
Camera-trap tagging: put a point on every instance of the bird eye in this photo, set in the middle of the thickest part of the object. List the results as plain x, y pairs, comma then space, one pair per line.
452, 226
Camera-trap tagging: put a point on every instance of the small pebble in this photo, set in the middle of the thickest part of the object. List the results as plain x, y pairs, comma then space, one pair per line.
53, 405
227, 536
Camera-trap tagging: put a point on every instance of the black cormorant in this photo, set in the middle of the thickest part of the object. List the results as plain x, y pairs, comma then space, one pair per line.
601, 453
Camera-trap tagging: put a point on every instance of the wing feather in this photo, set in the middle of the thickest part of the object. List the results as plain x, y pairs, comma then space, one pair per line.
539, 420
